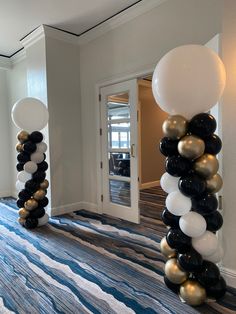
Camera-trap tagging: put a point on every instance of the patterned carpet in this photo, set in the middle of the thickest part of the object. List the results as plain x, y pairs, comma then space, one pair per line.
87, 263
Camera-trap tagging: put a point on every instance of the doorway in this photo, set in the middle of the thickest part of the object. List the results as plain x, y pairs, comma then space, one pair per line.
131, 167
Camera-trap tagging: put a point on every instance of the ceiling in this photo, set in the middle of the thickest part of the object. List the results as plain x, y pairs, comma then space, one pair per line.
19, 17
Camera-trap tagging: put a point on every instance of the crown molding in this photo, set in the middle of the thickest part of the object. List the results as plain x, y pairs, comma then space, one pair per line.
229, 275
18, 57
118, 20
33, 37
5, 63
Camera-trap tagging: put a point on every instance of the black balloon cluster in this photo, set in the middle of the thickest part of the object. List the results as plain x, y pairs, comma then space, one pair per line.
32, 183
191, 178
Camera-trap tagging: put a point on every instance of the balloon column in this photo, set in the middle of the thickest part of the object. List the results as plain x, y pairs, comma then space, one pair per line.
187, 82
31, 115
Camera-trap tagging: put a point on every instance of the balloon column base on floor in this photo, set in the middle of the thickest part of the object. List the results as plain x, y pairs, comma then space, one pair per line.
32, 184
186, 80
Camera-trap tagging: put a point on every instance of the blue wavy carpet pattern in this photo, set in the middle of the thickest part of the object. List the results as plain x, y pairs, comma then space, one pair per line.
87, 263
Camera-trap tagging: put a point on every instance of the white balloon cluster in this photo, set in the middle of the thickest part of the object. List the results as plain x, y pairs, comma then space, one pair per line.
31, 115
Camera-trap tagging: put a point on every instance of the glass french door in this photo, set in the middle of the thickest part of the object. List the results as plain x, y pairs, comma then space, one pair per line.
119, 150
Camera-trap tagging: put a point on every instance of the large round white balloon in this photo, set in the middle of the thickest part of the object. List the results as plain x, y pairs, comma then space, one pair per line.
30, 167
169, 183
216, 257
192, 224
37, 157
30, 114
178, 204
41, 147
206, 244
43, 221
188, 79
24, 176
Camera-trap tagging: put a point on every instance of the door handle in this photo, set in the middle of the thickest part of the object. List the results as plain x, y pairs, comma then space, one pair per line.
133, 150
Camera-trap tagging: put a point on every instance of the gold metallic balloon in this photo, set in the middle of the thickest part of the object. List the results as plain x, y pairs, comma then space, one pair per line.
44, 185
192, 293
23, 213
206, 166
22, 136
31, 204
214, 184
21, 220
166, 250
175, 126
191, 147
19, 147
174, 273
39, 195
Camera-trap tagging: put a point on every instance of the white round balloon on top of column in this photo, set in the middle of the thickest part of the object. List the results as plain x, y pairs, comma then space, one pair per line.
187, 82
31, 115
188, 79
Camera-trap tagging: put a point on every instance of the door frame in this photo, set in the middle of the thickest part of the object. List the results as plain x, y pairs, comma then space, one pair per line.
103, 83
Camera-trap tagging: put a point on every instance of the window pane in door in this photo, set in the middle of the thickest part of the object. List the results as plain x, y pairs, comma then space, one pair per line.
119, 192
119, 164
119, 135
118, 107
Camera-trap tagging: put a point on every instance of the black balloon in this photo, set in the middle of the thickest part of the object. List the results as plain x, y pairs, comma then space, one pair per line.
43, 202
36, 137
20, 166
178, 166
205, 204
23, 157
213, 144
209, 274
20, 203
24, 195
169, 219
37, 213
43, 166
190, 261
169, 147
214, 221
39, 176
178, 240
31, 186
202, 125
31, 223
218, 290
172, 286
192, 185
29, 147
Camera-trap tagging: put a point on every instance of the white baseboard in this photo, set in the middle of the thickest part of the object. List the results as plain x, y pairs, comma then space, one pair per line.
5, 193
70, 208
149, 185
229, 275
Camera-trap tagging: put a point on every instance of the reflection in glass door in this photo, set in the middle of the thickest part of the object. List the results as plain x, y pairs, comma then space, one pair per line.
119, 138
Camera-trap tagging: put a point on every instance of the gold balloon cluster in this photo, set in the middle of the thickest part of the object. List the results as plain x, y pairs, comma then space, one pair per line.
190, 290
192, 147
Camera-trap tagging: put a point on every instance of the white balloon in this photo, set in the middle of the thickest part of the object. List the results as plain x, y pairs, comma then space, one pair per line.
41, 147
188, 79
37, 157
192, 224
43, 221
178, 204
206, 244
20, 185
24, 176
169, 183
30, 114
215, 257
30, 167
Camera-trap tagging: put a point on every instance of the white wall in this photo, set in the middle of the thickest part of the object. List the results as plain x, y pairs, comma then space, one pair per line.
133, 47
228, 112
17, 89
5, 171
